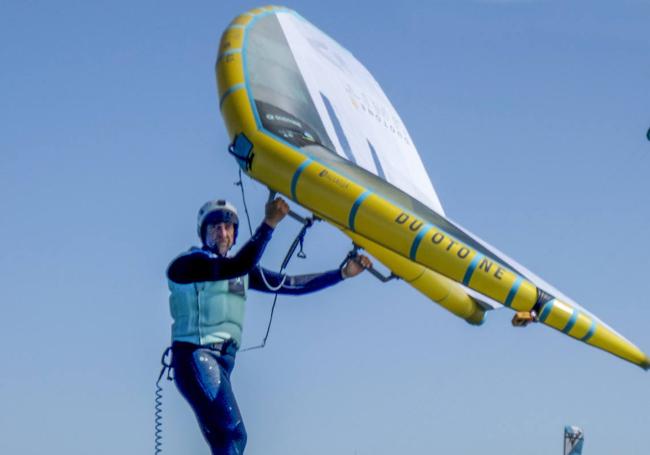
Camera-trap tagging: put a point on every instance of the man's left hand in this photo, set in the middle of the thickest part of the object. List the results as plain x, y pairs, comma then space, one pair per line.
355, 266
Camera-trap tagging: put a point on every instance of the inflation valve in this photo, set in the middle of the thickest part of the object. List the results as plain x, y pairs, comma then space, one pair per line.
523, 318
242, 149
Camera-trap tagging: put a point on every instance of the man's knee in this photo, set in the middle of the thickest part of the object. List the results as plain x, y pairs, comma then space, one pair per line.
240, 437
230, 439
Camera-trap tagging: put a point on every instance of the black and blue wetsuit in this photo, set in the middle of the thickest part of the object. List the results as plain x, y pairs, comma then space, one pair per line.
208, 293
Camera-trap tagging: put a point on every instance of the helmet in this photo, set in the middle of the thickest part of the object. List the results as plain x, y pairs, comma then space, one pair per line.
219, 211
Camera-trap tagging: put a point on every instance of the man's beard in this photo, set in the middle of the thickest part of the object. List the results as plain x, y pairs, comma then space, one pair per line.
213, 246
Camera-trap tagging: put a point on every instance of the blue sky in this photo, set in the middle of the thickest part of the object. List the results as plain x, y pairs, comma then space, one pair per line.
530, 117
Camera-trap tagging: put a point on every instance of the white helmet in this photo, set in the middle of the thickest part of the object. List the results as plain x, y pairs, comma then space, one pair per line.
219, 211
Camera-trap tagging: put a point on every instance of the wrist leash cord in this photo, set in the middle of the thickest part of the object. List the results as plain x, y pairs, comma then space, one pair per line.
297, 242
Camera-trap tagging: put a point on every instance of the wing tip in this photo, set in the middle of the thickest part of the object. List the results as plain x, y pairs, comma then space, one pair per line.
477, 318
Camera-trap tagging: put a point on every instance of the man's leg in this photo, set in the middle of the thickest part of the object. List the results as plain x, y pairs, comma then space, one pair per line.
203, 378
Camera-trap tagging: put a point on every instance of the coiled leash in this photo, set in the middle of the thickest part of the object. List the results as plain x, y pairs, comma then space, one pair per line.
166, 368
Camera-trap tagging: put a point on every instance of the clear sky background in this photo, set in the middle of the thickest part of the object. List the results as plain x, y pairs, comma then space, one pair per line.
530, 117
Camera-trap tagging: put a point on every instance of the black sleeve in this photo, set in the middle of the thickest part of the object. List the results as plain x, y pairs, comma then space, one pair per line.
292, 285
200, 265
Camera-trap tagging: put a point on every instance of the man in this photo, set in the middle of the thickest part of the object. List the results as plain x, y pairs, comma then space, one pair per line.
208, 293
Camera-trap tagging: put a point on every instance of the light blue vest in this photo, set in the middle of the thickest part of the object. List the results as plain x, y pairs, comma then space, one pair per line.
208, 311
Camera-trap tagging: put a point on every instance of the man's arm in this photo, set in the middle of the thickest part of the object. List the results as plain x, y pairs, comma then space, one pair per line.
265, 280
200, 265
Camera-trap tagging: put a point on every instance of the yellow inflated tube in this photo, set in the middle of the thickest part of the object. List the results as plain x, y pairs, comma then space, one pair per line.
398, 233
438, 288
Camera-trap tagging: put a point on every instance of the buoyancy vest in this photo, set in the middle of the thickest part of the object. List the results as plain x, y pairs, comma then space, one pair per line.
208, 311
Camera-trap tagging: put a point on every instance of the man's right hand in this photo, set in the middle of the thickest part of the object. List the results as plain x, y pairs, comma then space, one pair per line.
275, 211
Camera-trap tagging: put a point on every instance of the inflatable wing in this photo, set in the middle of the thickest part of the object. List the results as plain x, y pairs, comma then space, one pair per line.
309, 121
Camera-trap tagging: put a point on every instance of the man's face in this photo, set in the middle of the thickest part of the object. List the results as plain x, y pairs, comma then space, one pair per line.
220, 237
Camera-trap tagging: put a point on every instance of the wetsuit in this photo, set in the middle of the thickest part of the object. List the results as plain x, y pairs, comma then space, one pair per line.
208, 293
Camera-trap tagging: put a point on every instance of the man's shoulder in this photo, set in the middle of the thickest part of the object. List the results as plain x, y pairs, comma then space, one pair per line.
192, 253
187, 262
